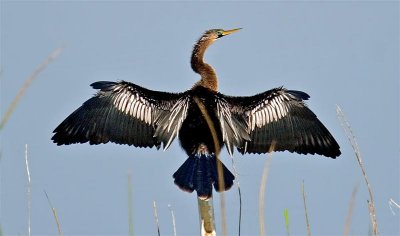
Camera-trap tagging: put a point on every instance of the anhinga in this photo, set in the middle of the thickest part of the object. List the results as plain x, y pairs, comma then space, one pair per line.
125, 113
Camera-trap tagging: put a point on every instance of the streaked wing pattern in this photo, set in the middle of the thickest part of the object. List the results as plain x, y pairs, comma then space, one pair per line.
233, 126
169, 122
124, 113
280, 118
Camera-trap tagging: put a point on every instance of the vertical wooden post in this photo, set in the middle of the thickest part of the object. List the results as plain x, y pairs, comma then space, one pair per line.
207, 219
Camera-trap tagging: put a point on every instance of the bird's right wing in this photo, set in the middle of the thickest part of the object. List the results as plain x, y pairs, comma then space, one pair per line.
125, 113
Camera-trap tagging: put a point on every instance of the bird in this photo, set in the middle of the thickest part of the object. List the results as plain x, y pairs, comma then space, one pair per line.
204, 120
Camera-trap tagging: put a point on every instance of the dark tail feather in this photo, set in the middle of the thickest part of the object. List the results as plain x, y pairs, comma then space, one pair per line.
200, 173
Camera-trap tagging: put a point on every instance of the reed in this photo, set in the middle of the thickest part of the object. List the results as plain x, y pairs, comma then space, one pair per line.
29, 189
130, 205
349, 216
261, 194
55, 215
352, 139
303, 192
51, 57
156, 218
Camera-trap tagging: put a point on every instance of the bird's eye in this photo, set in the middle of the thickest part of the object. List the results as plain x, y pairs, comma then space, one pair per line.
220, 33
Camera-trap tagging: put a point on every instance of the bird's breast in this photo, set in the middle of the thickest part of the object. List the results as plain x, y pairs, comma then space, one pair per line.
201, 126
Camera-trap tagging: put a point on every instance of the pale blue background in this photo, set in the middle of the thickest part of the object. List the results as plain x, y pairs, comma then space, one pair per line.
344, 53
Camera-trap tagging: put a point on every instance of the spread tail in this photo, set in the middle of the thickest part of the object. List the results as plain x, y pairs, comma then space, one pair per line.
200, 172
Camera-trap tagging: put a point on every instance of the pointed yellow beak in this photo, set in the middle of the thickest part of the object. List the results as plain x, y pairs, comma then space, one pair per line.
227, 32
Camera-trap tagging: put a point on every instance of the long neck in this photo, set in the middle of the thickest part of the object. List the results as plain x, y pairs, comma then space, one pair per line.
208, 76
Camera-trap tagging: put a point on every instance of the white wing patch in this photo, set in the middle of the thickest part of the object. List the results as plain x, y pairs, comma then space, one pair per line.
134, 105
232, 132
272, 109
169, 122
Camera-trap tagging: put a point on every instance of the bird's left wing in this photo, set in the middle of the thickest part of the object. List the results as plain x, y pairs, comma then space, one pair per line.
276, 120
125, 113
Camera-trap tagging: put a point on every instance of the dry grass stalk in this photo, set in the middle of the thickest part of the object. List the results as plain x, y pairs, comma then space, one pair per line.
173, 219
130, 205
29, 192
156, 218
221, 182
55, 215
239, 193
53, 55
261, 194
347, 224
305, 209
347, 129
392, 204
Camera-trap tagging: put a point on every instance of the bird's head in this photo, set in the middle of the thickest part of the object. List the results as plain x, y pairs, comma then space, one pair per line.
214, 34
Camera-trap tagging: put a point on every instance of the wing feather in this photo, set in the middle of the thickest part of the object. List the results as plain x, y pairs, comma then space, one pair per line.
125, 113
277, 118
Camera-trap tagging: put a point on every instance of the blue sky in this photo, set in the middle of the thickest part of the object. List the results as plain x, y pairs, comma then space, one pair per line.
344, 53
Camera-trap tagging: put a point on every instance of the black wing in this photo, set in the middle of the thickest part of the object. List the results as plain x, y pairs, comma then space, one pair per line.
276, 120
125, 113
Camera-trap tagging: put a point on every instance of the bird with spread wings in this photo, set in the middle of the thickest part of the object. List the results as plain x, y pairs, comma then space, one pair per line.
203, 119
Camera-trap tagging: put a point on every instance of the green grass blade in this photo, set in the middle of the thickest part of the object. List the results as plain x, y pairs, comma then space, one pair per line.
286, 215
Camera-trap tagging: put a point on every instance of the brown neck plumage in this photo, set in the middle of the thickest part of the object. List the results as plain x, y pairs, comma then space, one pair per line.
208, 77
